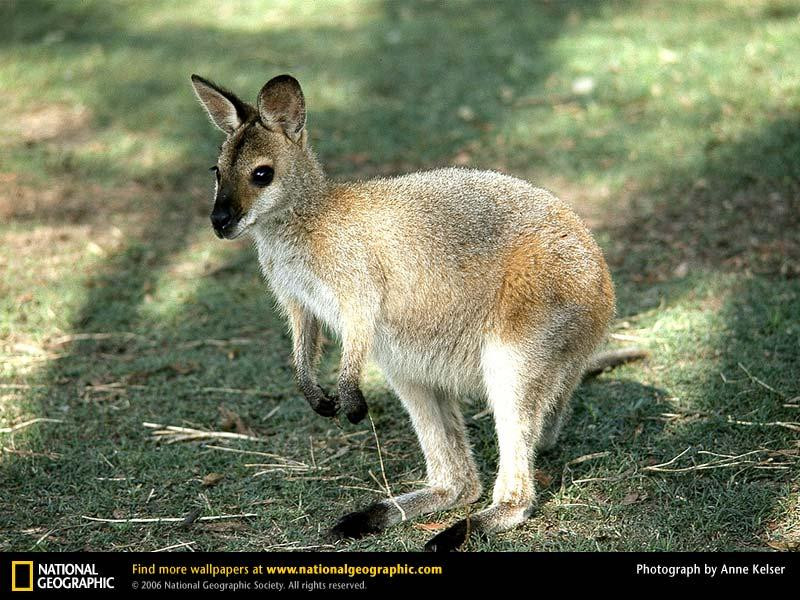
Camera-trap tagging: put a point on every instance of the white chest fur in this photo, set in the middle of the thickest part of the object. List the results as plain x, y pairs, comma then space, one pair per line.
289, 275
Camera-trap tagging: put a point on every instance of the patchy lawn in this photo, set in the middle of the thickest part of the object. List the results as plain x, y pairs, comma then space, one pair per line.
672, 128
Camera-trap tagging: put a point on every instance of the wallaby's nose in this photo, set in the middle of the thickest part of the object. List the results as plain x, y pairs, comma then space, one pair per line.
221, 219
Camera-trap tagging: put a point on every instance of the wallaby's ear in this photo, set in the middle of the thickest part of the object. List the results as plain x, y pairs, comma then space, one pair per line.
281, 106
226, 111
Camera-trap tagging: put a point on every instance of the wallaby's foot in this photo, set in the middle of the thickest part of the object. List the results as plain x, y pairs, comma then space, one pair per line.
380, 515
320, 402
497, 517
353, 403
451, 539
361, 523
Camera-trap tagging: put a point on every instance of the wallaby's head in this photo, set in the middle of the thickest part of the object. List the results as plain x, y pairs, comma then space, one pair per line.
265, 165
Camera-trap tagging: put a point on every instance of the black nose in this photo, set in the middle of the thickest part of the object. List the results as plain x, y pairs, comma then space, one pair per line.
221, 219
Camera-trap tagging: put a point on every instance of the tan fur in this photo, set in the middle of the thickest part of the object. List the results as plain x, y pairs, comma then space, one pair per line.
453, 281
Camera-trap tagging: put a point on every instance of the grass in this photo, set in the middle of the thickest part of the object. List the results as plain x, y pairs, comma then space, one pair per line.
672, 128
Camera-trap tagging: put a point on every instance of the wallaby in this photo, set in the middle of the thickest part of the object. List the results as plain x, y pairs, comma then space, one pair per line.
454, 281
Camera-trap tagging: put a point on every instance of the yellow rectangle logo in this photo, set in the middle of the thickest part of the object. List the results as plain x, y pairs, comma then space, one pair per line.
18, 565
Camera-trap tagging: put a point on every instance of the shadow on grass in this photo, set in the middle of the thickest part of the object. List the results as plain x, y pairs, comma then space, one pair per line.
223, 334
724, 239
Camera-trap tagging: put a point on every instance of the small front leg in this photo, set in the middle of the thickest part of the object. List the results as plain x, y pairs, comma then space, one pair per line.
356, 343
305, 333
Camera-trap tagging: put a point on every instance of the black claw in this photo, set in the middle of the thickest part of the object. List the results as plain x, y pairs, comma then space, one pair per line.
449, 540
321, 403
353, 404
361, 523
356, 414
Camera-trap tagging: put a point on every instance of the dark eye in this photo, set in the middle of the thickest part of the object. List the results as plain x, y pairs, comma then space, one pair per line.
262, 176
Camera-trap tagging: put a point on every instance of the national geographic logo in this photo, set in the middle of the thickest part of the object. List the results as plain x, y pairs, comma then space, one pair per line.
21, 575
25, 576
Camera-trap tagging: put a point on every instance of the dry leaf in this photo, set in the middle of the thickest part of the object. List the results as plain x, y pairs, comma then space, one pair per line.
223, 526
183, 368
631, 498
430, 526
785, 544
542, 478
212, 479
233, 422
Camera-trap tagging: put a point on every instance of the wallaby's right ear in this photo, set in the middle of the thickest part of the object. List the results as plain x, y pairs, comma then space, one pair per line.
226, 111
282, 107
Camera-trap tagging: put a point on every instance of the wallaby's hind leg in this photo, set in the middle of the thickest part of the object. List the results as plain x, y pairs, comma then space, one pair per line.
520, 395
451, 473
554, 422
561, 412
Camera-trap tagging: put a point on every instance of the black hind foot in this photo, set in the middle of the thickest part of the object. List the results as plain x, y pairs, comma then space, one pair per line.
454, 537
361, 523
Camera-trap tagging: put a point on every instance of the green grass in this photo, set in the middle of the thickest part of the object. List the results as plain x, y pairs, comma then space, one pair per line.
683, 156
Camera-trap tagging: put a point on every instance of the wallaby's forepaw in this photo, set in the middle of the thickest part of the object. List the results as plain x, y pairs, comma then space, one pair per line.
452, 538
321, 403
353, 403
361, 523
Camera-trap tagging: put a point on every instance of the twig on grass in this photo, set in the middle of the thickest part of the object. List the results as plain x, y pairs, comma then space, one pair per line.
20, 386
80, 337
294, 546
183, 434
761, 383
624, 337
724, 461
157, 520
52, 531
278, 469
793, 425
187, 545
254, 452
585, 457
244, 392
577, 461
25, 424
666, 464
620, 477
362, 488
482, 414
219, 343
383, 470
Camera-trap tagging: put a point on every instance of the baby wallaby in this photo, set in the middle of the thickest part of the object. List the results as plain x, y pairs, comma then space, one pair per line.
453, 281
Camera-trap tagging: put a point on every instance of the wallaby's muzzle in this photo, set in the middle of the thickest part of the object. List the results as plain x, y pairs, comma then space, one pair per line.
223, 220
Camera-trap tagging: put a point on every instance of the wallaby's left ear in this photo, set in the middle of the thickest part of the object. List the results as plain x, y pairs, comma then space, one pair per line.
281, 106
226, 111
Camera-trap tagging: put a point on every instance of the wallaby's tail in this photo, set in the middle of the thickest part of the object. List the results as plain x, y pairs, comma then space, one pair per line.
612, 358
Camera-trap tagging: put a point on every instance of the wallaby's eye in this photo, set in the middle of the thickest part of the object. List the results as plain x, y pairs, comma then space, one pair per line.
262, 176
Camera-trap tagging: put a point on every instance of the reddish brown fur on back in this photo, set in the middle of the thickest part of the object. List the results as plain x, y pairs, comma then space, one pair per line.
556, 270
